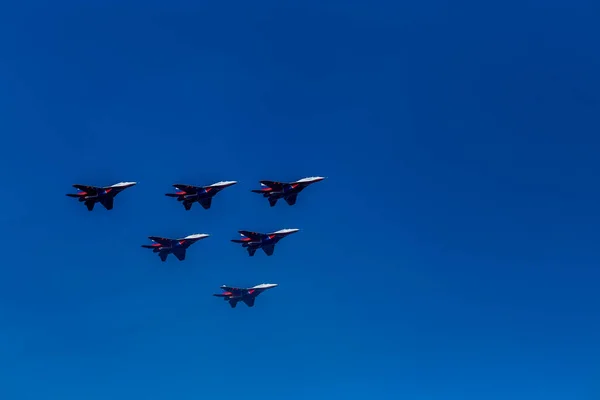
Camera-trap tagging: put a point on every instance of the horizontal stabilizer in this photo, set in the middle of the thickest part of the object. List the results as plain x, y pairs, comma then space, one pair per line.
87, 188
274, 184
190, 189
252, 235
161, 240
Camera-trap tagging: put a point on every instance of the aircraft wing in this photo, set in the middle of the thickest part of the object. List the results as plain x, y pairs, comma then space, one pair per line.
86, 188
107, 202
180, 254
269, 249
274, 184
205, 202
291, 199
161, 240
249, 301
187, 188
253, 235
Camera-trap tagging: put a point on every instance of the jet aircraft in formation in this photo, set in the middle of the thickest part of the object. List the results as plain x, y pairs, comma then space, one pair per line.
253, 241
234, 295
288, 191
103, 195
189, 194
177, 247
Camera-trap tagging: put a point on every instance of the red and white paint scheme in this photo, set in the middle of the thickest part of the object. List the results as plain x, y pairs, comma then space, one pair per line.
177, 247
247, 295
253, 241
104, 195
189, 194
274, 190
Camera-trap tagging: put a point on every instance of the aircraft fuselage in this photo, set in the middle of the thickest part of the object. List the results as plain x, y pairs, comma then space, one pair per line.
201, 194
110, 192
182, 244
189, 194
90, 195
294, 188
288, 191
267, 241
248, 295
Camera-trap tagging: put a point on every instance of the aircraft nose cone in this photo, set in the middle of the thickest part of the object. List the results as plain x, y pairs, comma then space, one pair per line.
225, 183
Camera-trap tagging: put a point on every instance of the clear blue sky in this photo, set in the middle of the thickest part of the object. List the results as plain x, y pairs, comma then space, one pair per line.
452, 253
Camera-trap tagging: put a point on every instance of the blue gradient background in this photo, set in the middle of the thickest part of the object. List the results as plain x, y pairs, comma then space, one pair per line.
452, 253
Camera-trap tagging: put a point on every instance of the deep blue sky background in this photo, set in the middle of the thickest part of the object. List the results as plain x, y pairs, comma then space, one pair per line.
452, 253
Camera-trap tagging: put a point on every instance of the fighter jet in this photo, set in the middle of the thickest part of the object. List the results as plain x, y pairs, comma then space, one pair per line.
266, 241
189, 194
285, 190
103, 195
178, 247
247, 295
